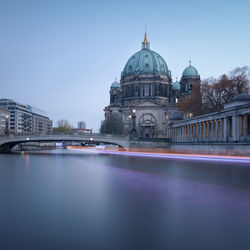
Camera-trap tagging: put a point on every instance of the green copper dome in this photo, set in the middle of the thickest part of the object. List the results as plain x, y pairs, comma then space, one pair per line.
145, 61
176, 86
190, 71
115, 84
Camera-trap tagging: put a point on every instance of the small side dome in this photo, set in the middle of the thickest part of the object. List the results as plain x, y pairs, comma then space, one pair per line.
176, 86
115, 84
241, 98
190, 71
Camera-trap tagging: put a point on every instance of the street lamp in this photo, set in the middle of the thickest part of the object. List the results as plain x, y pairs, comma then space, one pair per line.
133, 130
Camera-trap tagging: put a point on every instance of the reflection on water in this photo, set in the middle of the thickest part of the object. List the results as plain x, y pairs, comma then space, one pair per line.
66, 200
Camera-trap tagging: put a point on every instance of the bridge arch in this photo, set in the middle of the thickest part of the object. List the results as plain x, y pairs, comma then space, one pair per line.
7, 143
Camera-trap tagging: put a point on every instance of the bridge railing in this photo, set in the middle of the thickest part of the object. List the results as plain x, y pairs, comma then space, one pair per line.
64, 134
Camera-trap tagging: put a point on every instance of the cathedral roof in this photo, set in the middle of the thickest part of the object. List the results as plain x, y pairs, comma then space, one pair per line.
115, 84
145, 61
190, 71
176, 86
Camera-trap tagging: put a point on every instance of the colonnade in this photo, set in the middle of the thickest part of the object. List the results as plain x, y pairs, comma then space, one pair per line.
234, 127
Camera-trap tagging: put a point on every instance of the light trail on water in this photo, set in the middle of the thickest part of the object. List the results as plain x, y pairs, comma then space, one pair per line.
215, 158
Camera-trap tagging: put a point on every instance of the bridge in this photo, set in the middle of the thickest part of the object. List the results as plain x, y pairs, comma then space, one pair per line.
8, 142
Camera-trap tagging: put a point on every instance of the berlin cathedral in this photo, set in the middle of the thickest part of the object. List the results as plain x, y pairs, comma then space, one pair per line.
145, 98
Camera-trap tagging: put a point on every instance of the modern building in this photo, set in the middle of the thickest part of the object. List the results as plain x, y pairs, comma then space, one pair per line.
81, 125
145, 97
4, 121
232, 124
41, 124
26, 119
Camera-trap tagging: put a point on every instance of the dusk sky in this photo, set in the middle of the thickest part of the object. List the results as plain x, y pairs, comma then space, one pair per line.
62, 56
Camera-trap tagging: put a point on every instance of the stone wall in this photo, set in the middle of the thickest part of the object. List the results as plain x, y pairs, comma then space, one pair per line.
242, 149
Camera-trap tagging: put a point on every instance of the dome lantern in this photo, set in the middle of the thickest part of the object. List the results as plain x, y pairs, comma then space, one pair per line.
145, 43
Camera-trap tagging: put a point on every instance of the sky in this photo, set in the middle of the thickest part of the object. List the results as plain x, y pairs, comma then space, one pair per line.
62, 56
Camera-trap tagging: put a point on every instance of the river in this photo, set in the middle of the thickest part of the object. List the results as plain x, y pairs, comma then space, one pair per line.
62, 199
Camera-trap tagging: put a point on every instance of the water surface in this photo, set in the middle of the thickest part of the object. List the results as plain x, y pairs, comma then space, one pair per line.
65, 200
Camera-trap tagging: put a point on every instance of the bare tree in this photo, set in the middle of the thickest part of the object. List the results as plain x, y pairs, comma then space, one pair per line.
214, 93
112, 125
63, 126
240, 77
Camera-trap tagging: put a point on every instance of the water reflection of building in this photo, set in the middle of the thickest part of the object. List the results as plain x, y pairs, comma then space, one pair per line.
146, 88
232, 124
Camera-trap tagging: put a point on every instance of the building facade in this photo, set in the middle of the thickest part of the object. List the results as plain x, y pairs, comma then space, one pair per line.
145, 98
232, 124
41, 124
81, 125
4, 121
25, 118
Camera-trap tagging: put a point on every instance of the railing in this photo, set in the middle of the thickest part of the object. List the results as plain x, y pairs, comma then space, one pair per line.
64, 134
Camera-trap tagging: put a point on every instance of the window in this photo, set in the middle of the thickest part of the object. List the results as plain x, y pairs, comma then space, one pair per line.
141, 90
146, 90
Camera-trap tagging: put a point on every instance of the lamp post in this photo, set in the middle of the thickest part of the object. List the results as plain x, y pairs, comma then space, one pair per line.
133, 131
7, 125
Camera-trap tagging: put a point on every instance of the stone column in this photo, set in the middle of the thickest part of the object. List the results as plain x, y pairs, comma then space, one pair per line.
221, 128
197, 131
216, 130
183, 132
204, 130
244, 126
200, 130
212, 129
225, 129
235, 132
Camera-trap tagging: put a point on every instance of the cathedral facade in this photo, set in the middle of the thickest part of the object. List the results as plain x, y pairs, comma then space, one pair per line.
145, 98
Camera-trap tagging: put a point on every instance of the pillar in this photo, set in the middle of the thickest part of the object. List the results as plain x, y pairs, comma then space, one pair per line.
212, 129
204, 130
245, 126
225, 129
216, 130
235, 128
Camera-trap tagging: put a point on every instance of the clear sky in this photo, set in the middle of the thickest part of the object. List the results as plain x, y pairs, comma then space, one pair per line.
62, 56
